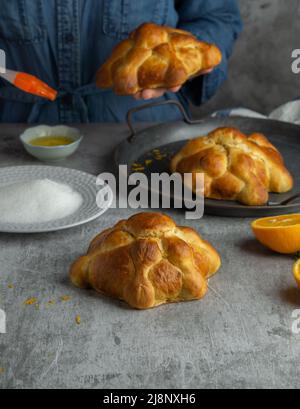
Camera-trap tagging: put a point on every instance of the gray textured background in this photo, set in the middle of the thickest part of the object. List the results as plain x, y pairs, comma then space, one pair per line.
239, 336
260, 75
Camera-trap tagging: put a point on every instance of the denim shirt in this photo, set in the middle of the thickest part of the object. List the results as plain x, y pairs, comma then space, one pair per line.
64, 42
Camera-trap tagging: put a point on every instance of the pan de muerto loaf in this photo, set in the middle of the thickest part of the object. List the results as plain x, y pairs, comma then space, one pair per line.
236, 167
146, 261
156, 57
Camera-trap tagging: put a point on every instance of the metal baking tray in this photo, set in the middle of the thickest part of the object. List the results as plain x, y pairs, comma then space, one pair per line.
170, 137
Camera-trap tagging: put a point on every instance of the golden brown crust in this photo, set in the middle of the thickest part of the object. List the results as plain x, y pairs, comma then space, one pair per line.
156, 57
236, 167
147, 261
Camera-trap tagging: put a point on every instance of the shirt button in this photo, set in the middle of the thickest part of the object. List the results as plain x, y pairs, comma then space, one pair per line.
69, 38
67, 100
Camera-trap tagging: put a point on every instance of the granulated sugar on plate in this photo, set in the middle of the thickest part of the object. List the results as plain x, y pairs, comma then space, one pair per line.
37, 201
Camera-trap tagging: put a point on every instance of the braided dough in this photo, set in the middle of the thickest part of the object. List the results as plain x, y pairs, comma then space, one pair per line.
236, 167
156, 57
147, 261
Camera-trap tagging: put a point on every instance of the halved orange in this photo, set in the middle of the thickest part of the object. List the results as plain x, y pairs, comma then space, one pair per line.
279, 233
296, 272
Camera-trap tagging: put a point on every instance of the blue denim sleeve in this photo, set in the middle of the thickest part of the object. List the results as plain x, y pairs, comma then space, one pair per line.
218, 22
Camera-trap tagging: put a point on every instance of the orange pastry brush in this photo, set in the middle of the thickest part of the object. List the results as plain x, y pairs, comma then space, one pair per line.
30, 84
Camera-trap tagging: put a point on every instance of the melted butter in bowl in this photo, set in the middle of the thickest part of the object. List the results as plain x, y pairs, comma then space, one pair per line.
50, 141
51, 144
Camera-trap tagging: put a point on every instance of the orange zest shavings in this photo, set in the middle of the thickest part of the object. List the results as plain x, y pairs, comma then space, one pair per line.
31, 301
158, 155
148, 162
137, 167
65, 298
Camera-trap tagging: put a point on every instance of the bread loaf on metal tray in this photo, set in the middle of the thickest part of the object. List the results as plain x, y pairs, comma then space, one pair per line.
236, 167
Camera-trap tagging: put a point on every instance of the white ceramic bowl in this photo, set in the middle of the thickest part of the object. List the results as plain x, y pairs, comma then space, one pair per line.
53, 153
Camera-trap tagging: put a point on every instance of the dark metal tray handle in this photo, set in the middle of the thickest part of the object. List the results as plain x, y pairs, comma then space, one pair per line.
156, 104
290, 200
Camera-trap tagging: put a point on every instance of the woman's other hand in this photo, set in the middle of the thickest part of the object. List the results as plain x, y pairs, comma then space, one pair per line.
154, 93
159, 92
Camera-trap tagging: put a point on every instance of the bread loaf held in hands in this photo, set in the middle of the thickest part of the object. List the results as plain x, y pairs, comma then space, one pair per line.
146, 261
235, 167
156, 57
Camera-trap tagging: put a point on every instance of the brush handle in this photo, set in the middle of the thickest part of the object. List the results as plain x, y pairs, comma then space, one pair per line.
9, 76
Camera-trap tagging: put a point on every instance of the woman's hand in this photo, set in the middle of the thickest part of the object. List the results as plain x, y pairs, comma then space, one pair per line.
159, 92
154, 93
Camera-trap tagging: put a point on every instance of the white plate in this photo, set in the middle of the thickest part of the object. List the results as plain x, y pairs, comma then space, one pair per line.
83, 183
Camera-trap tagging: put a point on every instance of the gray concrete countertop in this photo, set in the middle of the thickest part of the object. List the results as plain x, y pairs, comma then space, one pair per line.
238, 336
